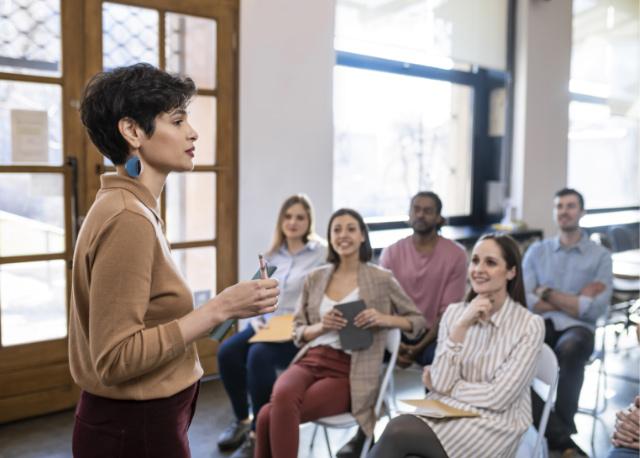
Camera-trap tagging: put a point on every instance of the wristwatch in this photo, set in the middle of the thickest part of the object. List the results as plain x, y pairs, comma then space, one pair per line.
545, 293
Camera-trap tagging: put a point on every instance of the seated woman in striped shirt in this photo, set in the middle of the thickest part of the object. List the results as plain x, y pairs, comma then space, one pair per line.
485, 360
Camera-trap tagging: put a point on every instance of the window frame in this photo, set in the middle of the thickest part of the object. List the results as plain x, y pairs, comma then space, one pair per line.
486, 151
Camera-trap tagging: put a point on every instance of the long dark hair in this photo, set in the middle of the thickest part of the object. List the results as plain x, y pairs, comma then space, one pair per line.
365, 252
513, 258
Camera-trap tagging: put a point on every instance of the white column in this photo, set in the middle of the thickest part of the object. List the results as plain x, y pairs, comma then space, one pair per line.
286, 117
543, 57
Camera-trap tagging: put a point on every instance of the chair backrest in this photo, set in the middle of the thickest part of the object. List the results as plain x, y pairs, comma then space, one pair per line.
392, 346
545, 383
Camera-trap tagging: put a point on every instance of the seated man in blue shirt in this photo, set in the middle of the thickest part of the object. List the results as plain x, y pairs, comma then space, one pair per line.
568, 281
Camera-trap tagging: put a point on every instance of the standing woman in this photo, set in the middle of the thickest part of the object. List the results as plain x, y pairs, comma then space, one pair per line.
132, 326
246, 367
325, 379
485, 360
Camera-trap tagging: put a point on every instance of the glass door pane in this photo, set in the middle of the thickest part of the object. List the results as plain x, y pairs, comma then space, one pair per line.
31, 214
30, 37
129, 35
32, 302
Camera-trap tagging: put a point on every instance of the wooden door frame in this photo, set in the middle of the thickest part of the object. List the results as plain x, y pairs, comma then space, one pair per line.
226, 14
36, 377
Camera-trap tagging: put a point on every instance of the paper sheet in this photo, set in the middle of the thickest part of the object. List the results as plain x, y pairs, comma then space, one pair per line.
278, 329
434, 409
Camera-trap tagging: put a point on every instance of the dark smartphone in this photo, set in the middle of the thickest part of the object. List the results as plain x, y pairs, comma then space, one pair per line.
222, 329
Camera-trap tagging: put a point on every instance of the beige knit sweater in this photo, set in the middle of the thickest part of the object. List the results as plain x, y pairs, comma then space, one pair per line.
127, 294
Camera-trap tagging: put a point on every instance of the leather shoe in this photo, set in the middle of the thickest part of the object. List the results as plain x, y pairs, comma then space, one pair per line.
232, 437
353, 448
247, 448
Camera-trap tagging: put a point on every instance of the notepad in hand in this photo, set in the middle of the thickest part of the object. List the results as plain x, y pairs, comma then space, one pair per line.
351, 336
278, 329
434, 409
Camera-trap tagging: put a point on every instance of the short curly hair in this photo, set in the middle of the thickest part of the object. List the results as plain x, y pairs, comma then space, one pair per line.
140, 92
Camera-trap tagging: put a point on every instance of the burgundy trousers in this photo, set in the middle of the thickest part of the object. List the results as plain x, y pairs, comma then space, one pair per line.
111, 428
314, 387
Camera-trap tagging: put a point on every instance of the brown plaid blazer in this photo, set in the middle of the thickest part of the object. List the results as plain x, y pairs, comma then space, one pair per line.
380, 290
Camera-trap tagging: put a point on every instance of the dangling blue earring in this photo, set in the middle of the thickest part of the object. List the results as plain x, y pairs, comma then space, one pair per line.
133, 166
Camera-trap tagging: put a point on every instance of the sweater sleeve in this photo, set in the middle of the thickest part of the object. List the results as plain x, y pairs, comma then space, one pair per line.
121, 347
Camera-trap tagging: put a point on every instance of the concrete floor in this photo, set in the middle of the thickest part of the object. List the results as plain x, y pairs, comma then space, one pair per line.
49, 436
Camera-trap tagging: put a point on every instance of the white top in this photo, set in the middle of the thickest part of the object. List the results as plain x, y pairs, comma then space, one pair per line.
332, 338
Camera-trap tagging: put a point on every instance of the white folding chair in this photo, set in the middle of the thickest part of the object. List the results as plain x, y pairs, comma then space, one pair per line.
545, 384
346, 420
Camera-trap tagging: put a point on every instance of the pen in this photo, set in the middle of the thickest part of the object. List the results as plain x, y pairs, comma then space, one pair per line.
263, 267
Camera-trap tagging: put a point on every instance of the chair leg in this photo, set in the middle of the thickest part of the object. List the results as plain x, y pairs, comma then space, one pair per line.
365, 447
326, 438
313, 436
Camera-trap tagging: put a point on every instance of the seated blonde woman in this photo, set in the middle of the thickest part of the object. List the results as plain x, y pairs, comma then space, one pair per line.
485, 361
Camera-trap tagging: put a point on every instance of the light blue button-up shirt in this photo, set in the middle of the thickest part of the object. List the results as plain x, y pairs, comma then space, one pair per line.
292, 270
568, 270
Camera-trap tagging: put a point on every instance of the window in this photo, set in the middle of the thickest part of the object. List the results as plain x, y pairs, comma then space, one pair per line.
604, 114
412, 106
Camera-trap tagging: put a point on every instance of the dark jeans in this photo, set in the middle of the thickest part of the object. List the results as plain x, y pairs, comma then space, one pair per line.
573, 347
251, 368
112, 428
427, 355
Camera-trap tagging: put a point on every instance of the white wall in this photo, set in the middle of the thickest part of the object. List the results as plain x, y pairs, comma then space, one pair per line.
286, 135
286, 118
541, 120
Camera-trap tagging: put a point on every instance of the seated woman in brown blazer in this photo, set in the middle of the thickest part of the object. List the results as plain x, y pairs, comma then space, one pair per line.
324, 379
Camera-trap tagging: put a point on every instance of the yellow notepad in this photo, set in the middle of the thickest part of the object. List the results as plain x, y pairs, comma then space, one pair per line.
278, 329
435, 409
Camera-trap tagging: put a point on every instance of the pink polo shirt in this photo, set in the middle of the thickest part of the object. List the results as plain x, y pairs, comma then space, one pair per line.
433, 281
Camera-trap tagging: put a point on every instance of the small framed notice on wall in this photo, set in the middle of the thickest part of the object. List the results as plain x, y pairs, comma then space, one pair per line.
29, 136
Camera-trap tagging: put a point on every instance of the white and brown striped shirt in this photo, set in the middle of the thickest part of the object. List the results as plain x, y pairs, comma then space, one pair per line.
490, 374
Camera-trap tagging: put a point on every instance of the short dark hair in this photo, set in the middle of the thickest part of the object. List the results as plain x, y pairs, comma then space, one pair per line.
431, 195
571, 192
365, 253
513, 258
436, 200
140, 92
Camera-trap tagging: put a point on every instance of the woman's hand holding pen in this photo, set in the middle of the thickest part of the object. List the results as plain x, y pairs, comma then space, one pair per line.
242, 300
246, 299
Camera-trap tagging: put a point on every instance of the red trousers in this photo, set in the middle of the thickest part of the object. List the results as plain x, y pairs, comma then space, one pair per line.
314, 387
110, 428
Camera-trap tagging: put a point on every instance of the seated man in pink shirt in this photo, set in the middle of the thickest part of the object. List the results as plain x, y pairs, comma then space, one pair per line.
432, 271
430, 268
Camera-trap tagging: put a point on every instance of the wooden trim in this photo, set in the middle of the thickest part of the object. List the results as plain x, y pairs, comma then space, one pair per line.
210, 168
226, 151
32, 258
37, 354
32, 169
30, 78
207, 92
206, 8
92, 65
162, 58
35, 379
32, 404
195, 244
